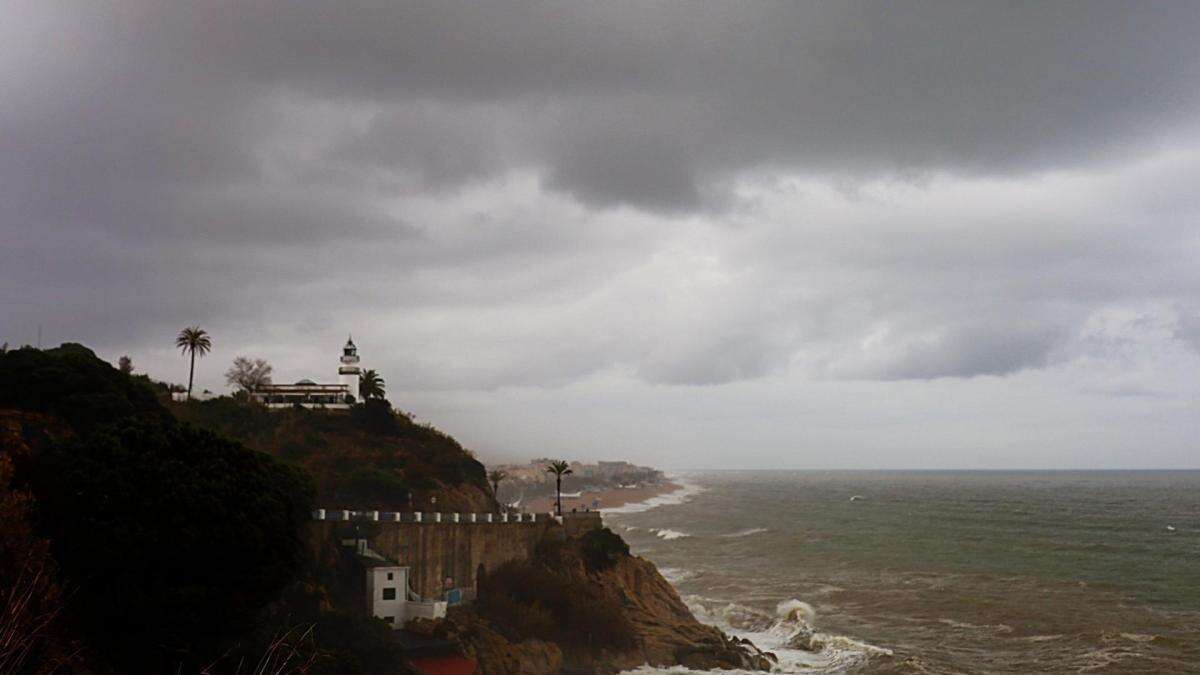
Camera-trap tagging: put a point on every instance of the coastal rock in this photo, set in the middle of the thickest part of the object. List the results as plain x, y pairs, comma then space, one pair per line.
664, 630
490, 649
670, 634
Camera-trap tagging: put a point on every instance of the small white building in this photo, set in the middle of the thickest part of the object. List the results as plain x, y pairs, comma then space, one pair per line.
309, 394
391, 600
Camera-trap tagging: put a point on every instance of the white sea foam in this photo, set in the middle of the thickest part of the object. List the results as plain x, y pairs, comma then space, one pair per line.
684, 494
789, 635
664, 533
676, 575
796, 609
744, 533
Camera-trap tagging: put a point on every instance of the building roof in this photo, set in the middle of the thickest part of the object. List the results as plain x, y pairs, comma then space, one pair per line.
300, 388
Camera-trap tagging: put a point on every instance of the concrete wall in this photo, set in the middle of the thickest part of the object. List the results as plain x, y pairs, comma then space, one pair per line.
434, 551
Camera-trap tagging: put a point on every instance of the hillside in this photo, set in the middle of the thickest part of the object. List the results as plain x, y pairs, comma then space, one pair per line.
370, 457
168, 542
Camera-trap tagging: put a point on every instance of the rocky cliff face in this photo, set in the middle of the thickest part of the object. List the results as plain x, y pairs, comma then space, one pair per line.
669, 633
664, 632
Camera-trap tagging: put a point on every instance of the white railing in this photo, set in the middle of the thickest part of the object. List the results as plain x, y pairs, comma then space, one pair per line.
422, 517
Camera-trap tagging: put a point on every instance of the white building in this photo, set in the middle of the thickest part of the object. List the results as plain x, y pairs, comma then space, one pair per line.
312, 395
390, 599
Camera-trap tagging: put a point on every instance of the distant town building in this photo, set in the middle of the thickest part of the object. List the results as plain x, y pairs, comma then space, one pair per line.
310, 394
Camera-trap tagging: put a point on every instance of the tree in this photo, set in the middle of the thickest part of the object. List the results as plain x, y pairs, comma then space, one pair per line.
495, 476
125, 364
559, 468
170, 540
248, 374
370, 385
193, 340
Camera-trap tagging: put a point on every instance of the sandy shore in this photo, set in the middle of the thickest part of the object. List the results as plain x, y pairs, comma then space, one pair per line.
608, 499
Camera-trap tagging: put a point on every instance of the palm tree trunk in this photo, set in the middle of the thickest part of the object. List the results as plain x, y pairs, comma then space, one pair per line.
558, 492
191, 374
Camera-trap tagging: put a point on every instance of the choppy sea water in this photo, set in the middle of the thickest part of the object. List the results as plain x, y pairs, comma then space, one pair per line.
938, 572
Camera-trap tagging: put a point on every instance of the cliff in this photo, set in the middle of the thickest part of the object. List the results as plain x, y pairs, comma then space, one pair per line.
587, 604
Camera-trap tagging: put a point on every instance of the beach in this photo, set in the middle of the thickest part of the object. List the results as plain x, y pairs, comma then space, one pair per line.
604, 499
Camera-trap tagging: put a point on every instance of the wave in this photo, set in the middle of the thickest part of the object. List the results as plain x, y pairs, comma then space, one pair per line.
684, 494
677, 575
788, 633
744, 533
664, 533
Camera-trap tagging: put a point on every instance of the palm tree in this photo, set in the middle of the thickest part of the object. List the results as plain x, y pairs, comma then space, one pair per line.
191, 340
495, 476
370, 385
559, 468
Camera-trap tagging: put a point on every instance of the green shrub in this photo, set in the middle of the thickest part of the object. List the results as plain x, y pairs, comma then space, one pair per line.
171, 539
602, 549
519, 596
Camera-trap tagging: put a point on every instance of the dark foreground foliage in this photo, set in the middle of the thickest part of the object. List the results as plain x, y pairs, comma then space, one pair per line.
76, 387
169, 541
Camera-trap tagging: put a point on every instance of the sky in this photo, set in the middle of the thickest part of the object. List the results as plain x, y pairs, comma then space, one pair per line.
695, 235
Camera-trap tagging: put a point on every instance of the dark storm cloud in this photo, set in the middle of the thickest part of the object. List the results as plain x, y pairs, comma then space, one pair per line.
592, 186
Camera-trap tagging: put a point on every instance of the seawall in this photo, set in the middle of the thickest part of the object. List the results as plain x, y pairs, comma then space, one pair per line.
434, 551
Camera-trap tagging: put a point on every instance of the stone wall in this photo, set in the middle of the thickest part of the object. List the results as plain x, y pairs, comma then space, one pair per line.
435, 550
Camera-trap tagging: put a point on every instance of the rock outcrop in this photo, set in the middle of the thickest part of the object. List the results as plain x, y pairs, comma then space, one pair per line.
598, 569
669, 633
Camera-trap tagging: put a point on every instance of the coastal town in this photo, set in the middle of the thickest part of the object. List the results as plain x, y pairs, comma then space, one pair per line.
604, 484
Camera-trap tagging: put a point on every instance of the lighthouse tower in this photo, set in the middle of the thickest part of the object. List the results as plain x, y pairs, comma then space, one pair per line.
349, 371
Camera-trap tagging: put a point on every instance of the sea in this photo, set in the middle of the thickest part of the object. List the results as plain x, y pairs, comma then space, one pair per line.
937, 571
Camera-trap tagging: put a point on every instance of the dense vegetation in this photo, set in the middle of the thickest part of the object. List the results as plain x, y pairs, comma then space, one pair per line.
540, 598
133, 542
371, 457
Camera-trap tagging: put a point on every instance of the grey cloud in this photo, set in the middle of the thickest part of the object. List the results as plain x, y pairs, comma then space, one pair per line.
974, 350
659, 102
327, 163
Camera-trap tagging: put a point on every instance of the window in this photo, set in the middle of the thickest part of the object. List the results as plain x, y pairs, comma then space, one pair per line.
389, 594
389, 576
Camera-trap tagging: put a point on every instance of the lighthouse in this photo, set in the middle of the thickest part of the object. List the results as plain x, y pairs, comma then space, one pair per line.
349, 371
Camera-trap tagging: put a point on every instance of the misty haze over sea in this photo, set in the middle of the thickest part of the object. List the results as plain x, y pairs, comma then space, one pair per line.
939, 571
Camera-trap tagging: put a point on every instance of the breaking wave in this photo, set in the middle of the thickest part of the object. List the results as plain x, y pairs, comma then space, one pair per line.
667, 534
789, 634
684, 494
676, 575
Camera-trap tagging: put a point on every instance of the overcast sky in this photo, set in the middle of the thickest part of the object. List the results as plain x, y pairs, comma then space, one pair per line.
697, 235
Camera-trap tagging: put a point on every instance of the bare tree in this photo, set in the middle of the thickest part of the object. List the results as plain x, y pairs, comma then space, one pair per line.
248, 374
125, 364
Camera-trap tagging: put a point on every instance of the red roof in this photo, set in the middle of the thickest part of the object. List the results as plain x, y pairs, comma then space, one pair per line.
445, 665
